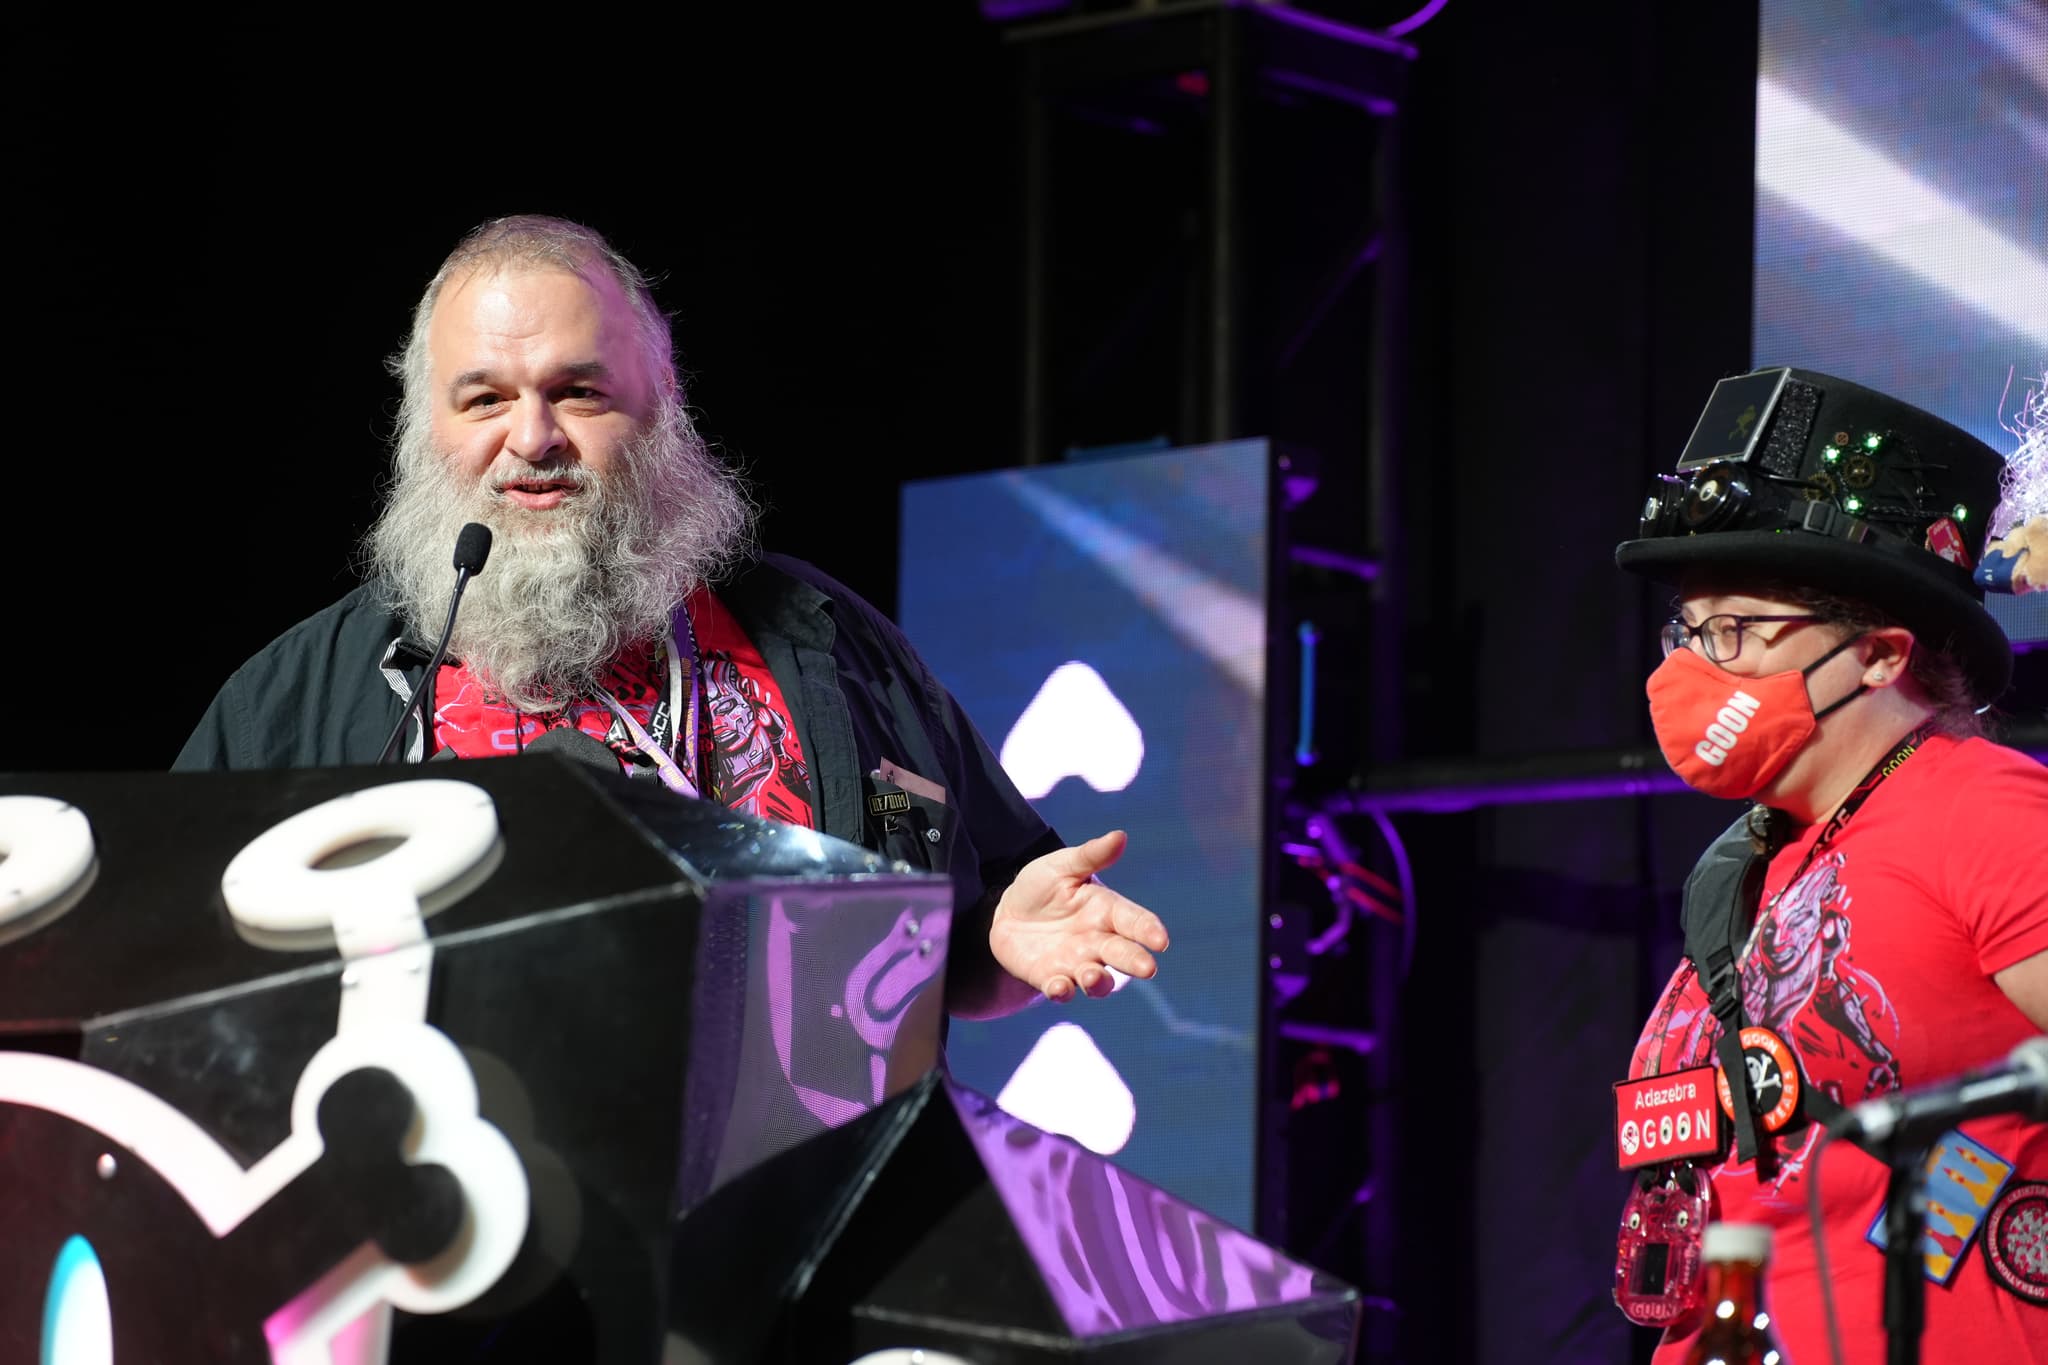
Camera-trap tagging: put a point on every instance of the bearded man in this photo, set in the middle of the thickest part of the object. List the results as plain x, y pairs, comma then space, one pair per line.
623, 599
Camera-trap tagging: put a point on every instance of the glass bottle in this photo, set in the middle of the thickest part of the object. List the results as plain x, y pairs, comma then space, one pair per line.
1738, 1330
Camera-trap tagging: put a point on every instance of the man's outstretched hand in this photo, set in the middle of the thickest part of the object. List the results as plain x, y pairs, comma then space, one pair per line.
1058, 930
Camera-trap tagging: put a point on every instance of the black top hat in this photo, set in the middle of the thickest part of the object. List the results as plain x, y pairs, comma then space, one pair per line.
1811, 480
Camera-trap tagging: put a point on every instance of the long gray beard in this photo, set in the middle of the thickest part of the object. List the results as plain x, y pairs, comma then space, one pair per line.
565, 591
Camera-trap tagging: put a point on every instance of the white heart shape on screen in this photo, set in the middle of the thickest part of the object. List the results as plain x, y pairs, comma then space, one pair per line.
1074, 727
1065, 1085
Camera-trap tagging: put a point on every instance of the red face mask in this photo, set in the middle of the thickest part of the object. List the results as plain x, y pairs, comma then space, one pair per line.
1728, 735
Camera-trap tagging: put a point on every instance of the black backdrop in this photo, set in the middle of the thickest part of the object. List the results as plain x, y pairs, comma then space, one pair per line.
220, 232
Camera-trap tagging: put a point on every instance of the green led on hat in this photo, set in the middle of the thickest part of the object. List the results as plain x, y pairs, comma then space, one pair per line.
1830, 454
1852, 503
1872, 441
1960, 512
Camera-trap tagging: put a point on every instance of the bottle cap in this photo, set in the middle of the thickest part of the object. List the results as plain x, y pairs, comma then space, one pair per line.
1737, 1242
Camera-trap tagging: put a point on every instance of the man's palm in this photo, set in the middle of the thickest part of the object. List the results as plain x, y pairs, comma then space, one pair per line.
1058, 929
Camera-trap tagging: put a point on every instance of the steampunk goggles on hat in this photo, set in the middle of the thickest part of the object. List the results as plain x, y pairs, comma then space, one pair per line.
1794, 477
1753, 463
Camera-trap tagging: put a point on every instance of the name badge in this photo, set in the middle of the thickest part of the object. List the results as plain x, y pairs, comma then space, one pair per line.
1671, 1117
889, 803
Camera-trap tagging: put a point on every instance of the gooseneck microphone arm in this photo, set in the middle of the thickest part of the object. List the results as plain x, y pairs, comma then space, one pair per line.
472, 548
1910, 1119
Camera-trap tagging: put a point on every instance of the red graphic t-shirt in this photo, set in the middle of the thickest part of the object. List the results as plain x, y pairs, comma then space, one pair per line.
749, 755
1876, 968
752, 756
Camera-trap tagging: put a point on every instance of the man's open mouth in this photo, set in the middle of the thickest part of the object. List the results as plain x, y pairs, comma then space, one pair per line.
537, 495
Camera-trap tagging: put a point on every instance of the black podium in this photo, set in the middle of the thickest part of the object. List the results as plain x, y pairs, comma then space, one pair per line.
647, 1080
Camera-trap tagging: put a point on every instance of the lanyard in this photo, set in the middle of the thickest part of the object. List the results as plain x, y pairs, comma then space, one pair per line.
1653, 1065
1839, 821
687, 706
672, 775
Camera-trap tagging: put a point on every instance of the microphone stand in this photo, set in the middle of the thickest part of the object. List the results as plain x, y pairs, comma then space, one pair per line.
472, 549
1905, 1257
427, 680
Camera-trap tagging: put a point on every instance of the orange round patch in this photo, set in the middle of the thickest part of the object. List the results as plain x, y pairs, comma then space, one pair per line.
1773, 1079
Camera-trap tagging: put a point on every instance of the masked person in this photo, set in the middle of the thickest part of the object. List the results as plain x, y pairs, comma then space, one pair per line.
540, 398
1878, 919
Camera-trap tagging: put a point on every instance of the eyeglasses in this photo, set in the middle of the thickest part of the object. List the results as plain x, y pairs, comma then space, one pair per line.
1720, 637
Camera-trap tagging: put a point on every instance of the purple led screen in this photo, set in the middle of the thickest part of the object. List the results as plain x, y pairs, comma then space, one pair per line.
1902, 197
1104, 622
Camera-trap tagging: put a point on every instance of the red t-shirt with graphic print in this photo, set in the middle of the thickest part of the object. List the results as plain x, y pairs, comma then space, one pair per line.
1876, 967
750, 756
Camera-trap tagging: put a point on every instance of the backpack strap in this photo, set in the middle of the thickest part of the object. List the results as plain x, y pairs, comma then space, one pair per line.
1718, 911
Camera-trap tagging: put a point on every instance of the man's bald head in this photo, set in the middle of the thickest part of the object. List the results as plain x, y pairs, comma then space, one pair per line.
536, 242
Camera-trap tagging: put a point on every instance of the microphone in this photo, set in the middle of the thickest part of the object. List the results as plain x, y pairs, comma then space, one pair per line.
472, 548
2019, 1084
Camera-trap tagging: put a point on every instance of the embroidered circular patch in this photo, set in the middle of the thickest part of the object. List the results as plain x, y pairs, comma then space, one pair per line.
2016, 1241
1773, 1079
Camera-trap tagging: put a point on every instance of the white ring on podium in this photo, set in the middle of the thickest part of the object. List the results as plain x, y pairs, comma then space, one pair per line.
49, 853
449, 832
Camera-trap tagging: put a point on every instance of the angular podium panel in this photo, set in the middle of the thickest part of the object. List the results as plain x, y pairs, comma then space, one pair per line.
820, 982
939, 1223
617, 1002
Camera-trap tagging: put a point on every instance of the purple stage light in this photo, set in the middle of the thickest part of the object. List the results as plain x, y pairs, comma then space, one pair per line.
1360, 1041
1009, 11
1330, 28
1417, 19
1376, 105
1331, 559
1636, 777
1457, 796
